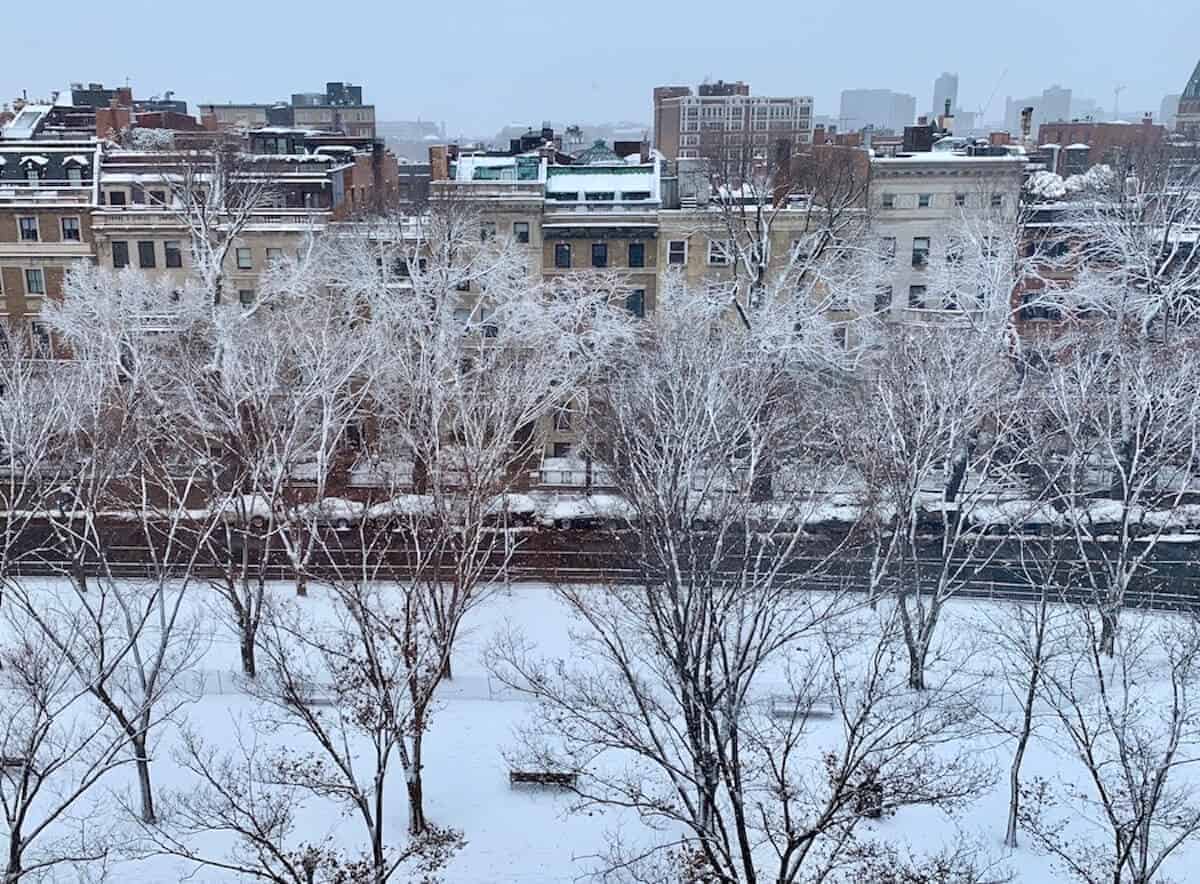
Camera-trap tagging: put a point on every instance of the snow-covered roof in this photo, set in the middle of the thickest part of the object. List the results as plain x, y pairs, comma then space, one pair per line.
1050, 146
36, 159
485, 168
616, 179
1079, 146
27, 122
291, 158
75, 158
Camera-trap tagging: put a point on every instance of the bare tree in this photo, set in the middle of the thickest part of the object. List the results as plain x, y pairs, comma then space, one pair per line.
931, 435
662, 711
55, 750
1135, 810
366, 666
1123, 419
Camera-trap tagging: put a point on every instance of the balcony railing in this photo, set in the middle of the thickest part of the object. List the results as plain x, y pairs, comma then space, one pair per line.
133, 217
47, 191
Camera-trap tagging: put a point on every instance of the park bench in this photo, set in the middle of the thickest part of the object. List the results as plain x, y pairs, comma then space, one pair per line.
557, 779
783, 706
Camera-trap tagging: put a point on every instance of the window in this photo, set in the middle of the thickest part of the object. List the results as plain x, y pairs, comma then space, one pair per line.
32, 175
120, 254
920, 252
139, 195
35, 282
41, 338
274, 255
887, 247
883, 298
677, 251
599, 254
637, 254
70, 229
245, 259
75, 176
562, 255
562, 419
924, 200
562, 449
487, 230
29, 229
521, 231
889, 201
916, 296
602, 196
960, 200
718, 252
146, 254
631, 195
839, 336
997, 201
172, 253
635, 302
245, 297
158, 197
116, 197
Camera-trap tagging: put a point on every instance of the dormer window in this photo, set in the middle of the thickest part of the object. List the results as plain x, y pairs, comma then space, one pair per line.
75, 164
35, 167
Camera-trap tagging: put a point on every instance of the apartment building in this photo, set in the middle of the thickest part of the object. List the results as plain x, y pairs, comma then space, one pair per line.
1074, 147
724, 122
338, 109
919, 200
47, 190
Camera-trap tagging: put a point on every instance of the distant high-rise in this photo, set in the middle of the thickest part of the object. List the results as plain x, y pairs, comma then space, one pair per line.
1169, 110
945, 87
1053, 105
877, 108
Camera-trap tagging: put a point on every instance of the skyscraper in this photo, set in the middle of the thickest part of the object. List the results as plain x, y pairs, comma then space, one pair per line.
880, 108
945, 87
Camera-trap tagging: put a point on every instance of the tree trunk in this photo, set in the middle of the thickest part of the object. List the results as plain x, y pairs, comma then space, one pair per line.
249, 664
143, 772
1014, 774
1108, 632
416, 803
916, 669
12, 869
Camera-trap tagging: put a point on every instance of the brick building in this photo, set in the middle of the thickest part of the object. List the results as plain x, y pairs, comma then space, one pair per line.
46, 197
1073, 148
723, 121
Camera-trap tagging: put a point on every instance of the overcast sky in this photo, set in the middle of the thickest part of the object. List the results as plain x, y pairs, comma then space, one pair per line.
478, 66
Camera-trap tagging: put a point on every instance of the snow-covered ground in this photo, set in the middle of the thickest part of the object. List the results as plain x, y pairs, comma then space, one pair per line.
525, 835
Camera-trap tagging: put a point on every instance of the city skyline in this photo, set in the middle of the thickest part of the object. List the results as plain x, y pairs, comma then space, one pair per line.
606, 72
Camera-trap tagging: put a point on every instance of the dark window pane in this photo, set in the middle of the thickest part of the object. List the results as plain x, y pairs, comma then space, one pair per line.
145, 254
599, 254
637, 254
120, 254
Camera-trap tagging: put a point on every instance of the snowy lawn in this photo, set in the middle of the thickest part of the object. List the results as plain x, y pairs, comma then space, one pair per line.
525, 835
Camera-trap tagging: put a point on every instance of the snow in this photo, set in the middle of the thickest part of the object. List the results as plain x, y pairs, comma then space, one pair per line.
77, 159
523, 837
609, 507
246, 505
516, 504
1046, 185
560, 181
403, 505
36, 159
332, 509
